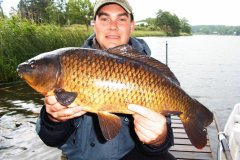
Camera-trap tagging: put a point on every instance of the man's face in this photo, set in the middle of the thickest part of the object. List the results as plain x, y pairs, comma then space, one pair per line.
113, 26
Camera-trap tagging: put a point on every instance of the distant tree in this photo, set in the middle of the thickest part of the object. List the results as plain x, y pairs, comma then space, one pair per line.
185, 27
151, 21
237, 31
34, 9
216, 29
168, 23
80, 11
57, 12
23, 9
1, 11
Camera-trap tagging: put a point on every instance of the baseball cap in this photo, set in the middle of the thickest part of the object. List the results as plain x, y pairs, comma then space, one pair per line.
123, 3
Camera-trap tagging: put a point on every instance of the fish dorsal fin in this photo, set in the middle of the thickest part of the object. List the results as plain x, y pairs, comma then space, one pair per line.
65, 98
110, 124
129, 52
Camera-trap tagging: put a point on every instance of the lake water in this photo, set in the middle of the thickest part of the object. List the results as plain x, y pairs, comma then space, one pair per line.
206, 66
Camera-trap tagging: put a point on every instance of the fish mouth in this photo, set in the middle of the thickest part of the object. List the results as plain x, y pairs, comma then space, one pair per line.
20, 75
21, 69
19, 72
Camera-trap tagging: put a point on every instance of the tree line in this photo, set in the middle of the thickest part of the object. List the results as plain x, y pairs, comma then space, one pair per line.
57, 12
216, 29
170, 23
63, 12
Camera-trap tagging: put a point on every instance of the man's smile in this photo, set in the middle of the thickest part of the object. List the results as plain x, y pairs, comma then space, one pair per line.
112, 37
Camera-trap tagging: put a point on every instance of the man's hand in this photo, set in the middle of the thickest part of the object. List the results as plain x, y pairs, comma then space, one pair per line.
150, 126
58, 113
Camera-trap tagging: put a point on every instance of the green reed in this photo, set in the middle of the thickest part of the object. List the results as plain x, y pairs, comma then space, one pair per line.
23, 39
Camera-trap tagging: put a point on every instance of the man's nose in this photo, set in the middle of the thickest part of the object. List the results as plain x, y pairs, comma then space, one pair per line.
113, 25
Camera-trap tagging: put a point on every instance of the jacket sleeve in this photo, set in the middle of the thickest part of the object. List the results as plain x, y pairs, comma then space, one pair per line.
150, 150
53, 134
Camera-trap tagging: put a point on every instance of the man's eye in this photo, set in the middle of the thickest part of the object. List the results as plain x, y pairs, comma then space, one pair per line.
123, 19
104, 19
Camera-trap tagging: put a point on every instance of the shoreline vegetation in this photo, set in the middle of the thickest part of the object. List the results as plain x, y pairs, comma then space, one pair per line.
23, 39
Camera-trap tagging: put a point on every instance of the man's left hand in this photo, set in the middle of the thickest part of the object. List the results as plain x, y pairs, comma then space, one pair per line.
150, 126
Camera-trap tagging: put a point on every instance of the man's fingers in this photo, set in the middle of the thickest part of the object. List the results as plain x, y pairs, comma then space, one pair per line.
72, 116
146, 122
57, 112
145, 112
68, 112
140, 135
50, 100
78, 114
145, 135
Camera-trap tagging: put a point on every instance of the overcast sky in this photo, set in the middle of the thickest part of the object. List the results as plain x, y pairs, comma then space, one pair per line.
197, 12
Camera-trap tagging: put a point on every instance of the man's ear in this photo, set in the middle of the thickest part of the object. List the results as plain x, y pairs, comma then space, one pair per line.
94, 25
132, 26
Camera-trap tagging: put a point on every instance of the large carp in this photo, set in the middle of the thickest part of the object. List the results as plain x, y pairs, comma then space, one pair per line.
105, 82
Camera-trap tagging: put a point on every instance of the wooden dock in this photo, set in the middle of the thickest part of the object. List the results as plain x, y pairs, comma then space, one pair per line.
183, 149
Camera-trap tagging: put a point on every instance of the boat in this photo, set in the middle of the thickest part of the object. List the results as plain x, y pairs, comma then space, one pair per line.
229, 139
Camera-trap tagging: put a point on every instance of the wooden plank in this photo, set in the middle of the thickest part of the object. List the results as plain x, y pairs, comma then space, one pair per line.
184, 141
177, 125
175, 117
179, 130
180, 135
183, 135
176, 121
189, 148
192, 155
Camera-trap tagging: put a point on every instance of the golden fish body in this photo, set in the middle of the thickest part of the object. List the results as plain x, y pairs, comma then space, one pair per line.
105, 82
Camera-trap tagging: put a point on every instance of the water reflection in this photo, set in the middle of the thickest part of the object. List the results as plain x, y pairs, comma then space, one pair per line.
19, 109
19, 98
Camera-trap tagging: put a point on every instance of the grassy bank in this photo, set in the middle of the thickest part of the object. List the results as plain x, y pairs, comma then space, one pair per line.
138, 33
23, 39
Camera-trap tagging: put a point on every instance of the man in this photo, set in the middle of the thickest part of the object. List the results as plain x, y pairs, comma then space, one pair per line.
144, 135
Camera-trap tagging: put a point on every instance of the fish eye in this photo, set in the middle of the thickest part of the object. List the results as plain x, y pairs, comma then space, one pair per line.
32, 64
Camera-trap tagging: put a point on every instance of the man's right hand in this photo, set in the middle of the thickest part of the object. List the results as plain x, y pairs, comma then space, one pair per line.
58, 113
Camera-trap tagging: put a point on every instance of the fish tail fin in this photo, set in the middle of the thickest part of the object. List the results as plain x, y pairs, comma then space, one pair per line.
195, 123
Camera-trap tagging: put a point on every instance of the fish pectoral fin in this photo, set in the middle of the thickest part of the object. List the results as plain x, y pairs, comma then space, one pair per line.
110, 124
170, 113
65, 98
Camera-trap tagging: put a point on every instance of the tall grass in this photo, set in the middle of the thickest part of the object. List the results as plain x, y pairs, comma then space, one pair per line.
23, 39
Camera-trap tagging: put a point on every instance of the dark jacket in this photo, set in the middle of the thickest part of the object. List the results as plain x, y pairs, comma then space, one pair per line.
81, 138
